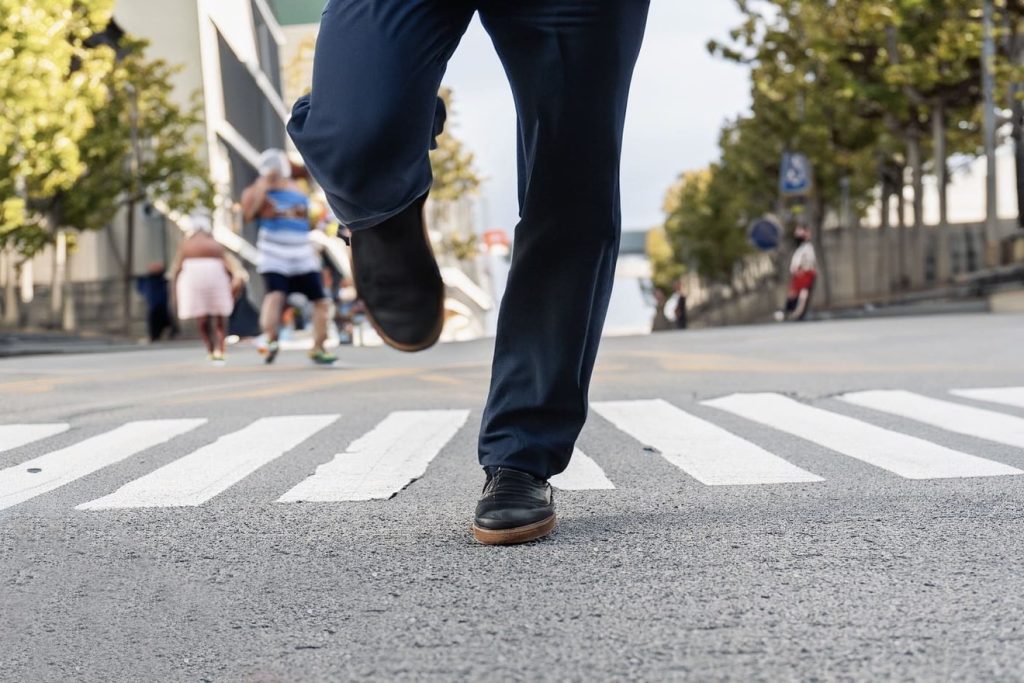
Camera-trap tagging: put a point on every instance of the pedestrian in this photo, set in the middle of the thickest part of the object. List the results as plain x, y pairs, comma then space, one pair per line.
205, 281
153, 287
569, 63
803, 270
679, 311
288, 261
662, 322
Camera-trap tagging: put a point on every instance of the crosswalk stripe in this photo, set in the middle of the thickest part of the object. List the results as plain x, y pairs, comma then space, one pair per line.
582, 474
214, 468
1009, 396
16, 436
53, 470
382, 462
953, 417
901, 454
706, 452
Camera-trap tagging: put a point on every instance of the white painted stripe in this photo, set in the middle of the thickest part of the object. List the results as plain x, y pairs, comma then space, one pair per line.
15, 436
582, 474
53, 470
904, 455
706, 452
1009, 396
201, 475
384, 461
953, 417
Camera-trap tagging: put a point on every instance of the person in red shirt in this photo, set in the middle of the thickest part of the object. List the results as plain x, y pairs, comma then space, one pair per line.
803, 271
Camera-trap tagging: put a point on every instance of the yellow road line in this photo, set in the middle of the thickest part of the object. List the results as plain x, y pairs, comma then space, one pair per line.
286, 388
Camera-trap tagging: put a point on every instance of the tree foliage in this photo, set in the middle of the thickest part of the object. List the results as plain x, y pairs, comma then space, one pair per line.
855, 85
143, 147
703, 225
84, 130
455, 174
667, 269
51, 85
455, 178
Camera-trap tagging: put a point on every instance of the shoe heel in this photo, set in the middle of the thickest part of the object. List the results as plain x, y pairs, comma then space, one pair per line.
523, 534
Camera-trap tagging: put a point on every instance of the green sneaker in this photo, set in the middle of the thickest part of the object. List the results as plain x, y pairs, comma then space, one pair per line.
271, 352
321, 357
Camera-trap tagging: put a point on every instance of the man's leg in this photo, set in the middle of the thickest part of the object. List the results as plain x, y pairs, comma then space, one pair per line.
270, 314
276, 292
220, 334
203, 322
368, 123
311, 286
365, 131
570, 63
321, 314
154, 324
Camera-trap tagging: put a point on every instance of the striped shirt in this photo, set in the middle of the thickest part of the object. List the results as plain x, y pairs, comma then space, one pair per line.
283, 242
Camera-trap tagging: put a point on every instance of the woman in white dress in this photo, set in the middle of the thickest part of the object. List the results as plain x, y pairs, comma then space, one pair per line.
205, 280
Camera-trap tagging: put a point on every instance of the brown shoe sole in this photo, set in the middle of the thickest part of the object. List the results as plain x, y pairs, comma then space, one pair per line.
522, 534
435, 334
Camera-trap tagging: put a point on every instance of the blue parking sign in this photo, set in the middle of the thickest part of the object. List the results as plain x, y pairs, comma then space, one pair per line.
795, 178
765, 233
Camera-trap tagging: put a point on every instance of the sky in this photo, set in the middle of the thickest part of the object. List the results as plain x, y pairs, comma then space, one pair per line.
680, 98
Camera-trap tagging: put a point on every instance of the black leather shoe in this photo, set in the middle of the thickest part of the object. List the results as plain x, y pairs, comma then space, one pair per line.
398, 280
515, 508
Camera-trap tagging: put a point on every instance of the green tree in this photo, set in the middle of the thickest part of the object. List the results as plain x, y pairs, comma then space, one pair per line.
144, 148
453, 166
51, 83
665, 264
455, 177
863, 88
703, 224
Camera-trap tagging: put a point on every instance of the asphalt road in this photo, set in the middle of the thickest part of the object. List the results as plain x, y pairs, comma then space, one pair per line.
782, 533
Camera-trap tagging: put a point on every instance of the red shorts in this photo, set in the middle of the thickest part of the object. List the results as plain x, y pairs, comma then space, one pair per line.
801, 281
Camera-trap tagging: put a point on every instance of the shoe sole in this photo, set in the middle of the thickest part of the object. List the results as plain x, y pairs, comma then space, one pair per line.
435, 334
522, 534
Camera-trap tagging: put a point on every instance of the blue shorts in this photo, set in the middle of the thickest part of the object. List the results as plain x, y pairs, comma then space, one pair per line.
309, 285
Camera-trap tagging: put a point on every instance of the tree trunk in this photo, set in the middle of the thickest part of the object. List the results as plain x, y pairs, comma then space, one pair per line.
1018, 146
941, 167
991, 130
57, 278
942, 253
1012, 45
69, 319
885, 269
916, 267
129, 267
817, 221
850, 224
901, 235
11, 284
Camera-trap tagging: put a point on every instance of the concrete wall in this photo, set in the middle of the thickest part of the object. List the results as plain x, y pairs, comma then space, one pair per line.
865, 264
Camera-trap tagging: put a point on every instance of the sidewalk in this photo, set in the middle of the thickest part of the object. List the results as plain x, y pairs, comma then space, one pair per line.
981, 292
35, 343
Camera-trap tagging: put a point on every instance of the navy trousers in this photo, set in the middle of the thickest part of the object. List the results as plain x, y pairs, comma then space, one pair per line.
365, 131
